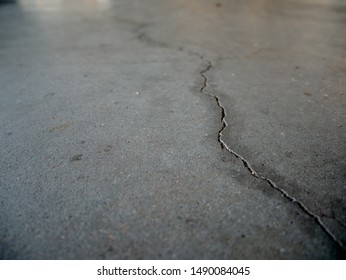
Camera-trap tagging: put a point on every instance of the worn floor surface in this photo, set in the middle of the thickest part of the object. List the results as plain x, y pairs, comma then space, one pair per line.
154, 129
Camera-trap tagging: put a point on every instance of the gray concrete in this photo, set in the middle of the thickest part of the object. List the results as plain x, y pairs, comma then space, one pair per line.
114, 143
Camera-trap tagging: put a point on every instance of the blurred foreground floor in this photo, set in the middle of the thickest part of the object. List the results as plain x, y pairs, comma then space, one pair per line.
114, 143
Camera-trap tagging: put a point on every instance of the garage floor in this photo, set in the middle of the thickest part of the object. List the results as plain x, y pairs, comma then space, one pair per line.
150, 129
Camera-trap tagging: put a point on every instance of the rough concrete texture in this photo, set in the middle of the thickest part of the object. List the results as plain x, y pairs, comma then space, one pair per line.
179, 129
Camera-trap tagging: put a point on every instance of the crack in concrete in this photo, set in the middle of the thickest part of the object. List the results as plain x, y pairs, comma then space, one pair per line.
247, 165
143, 36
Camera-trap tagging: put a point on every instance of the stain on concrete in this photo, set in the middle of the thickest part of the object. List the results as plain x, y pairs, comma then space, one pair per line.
59, 127
77, 157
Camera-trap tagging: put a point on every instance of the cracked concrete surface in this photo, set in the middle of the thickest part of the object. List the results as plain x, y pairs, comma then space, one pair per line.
253, 172
172, 130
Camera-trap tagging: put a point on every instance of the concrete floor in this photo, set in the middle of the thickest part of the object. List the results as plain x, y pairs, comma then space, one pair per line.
150, 129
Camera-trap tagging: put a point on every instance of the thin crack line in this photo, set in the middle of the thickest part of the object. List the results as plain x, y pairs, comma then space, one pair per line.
223, 145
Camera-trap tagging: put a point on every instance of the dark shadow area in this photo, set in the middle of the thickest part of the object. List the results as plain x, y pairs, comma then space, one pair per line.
8, 1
